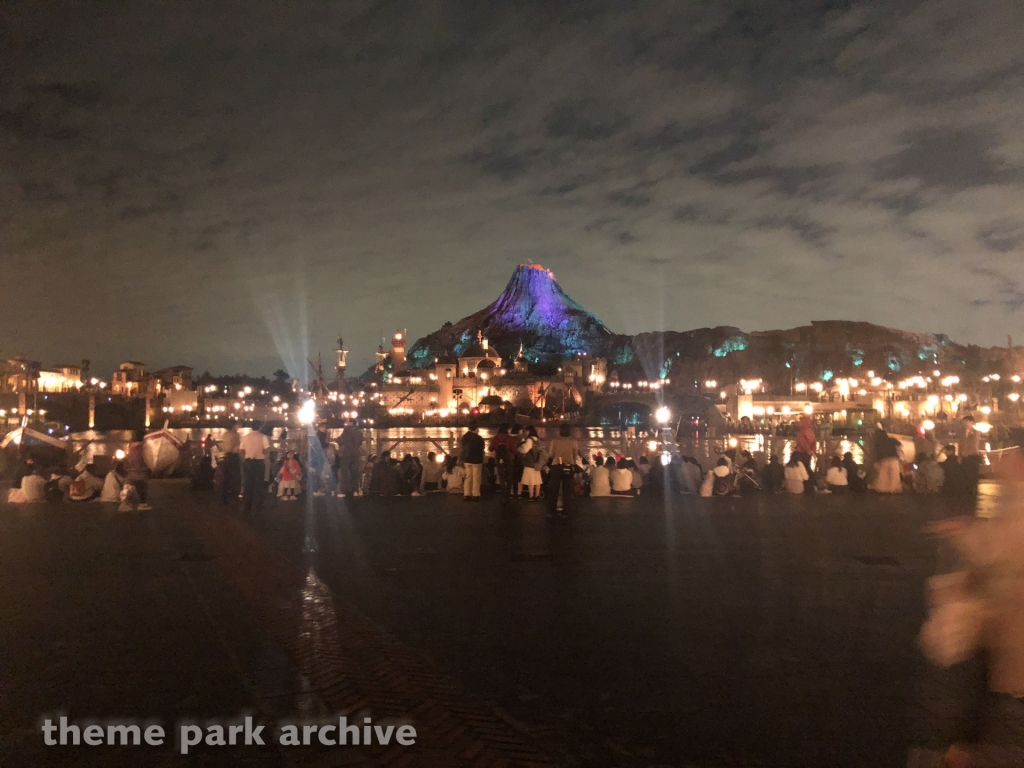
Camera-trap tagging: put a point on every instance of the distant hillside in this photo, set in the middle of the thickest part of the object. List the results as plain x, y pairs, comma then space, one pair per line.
534, 311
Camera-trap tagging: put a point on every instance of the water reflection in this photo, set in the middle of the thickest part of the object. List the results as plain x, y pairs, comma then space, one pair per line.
421, 440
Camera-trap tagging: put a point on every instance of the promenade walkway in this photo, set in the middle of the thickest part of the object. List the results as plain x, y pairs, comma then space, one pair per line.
684, 632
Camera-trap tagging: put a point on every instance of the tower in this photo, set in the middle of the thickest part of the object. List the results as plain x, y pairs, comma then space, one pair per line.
519, 365
398, 351
382, 356
342, 363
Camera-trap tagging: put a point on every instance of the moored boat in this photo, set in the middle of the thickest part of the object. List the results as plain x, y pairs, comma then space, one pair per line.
161, 451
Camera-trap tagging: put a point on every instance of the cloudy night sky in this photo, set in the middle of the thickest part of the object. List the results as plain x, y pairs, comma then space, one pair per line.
226, 184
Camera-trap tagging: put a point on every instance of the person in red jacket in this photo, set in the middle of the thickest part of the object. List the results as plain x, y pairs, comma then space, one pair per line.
503, 446
806, 447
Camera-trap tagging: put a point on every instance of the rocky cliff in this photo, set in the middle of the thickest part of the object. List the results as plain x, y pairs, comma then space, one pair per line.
534, 311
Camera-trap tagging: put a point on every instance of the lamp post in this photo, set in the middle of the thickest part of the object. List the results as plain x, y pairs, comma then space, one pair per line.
306, 416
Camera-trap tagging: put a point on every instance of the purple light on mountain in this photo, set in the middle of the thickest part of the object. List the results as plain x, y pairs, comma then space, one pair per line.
533, 300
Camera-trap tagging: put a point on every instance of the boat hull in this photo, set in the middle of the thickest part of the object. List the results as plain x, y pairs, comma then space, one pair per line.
161, 451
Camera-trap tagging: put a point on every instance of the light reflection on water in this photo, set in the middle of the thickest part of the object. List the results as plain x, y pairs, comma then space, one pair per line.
420, 440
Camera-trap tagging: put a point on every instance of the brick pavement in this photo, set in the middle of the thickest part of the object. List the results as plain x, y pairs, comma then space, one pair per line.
352, 665
183, 613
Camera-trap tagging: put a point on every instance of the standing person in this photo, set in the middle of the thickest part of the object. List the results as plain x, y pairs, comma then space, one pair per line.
564, 453
991, 552
349, 444
138, 472
473, 459
289, 478
806, 447
503, 446
254, 449
887, 463
969, 450
329, 474
229, 444
529, 455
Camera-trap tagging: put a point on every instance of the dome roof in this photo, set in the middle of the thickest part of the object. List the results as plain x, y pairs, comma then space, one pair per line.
477, 350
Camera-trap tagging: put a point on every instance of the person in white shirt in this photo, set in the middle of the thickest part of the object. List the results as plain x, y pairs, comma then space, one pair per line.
836, 477
454, 475
622, 480
112, 484
600, 478
532, 457
796, 476
254, 448
34, 486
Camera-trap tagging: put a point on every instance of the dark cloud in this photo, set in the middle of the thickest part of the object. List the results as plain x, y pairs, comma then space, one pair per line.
957, 159
810, 232
206, 155
1002, 236
812, 180
637, 196
697, 214
582, 120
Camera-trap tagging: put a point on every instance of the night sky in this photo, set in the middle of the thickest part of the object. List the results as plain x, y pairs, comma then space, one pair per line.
226, 185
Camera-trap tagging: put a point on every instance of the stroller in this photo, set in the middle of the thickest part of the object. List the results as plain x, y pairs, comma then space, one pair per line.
747, 480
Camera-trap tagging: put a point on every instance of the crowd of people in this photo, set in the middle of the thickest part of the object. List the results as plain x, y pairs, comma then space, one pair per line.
126, 482
514, 463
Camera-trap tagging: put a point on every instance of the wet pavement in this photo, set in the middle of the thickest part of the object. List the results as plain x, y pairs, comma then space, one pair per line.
751, 631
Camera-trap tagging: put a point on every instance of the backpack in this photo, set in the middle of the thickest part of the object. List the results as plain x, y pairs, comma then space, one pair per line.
723, 485
53, 491
532, 456
78, 489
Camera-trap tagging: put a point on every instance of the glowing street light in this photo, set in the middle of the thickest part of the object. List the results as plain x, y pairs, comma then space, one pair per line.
307, 413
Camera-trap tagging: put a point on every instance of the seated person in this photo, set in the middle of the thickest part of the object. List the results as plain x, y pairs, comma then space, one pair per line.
637, 475
600, 480
796, 475
774, 475
59, 483
854, 476
644, 465
430, 480
747, 461
929, 476
113, 483
837, 477
720, 481
694, 471
33, 486
385, 478
621, 479
408, 475
454, 475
